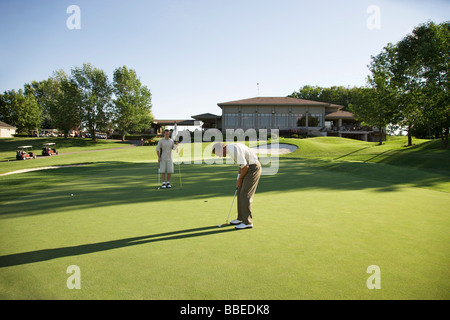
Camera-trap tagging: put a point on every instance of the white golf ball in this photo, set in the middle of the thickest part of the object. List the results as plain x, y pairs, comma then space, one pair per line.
220, 225
71, 194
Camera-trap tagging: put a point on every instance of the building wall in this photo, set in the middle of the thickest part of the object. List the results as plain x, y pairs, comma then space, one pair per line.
7, 133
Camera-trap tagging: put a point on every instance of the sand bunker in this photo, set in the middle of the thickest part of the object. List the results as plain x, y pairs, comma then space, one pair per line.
283, 148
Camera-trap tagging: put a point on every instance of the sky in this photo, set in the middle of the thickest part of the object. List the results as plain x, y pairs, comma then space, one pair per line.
193, 54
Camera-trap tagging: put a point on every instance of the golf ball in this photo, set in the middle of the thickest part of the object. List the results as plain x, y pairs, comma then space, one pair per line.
220, 225
71, 194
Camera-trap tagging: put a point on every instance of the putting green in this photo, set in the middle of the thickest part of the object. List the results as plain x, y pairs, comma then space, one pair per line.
318, 226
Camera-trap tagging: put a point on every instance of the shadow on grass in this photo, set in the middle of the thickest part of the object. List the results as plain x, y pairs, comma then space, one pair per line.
429, 156
50, 254
351, 153
117, 183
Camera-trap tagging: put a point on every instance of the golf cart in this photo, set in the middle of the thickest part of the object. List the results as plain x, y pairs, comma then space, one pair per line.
49, 149
25, 152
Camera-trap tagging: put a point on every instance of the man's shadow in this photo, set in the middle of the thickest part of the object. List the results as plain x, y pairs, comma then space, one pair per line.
49, 254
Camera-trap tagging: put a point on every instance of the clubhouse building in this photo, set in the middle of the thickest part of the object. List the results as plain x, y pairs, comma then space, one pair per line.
288, 115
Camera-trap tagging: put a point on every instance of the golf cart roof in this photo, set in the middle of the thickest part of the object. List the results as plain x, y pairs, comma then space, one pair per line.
49, 144
24, 147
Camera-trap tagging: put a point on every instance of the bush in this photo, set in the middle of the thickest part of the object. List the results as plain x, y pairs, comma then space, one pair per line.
151, 142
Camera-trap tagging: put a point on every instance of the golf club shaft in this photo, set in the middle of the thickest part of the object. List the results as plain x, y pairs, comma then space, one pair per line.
179, 170
235, 192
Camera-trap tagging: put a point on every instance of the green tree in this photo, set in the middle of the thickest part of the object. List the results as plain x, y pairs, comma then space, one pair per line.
308, 93
6, 110
424, 59
335, 95
373, 106
95, 97
132, 103
20, 110
377, 105
408, 83
36, 89
62, 99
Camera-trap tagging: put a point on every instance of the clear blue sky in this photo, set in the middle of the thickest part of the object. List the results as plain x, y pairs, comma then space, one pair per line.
193, 54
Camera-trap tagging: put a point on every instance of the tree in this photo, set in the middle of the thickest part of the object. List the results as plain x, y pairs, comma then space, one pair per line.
95, 97
335, 95
372, 106
6, 110
408, 82
62, 100
395, 76
377, 105
425, 57
20, 110
308, 93
36, 89
132, 103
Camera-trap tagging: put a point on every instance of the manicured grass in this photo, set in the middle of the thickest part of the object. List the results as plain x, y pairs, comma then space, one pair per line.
8, 146
424, 154
319, 223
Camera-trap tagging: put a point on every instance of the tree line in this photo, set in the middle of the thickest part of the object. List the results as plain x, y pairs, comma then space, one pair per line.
85, 98
408, 86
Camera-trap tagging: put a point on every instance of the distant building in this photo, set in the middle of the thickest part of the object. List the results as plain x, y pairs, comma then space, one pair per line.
209, 120
158, 126
299, 115
6, 130
283, 113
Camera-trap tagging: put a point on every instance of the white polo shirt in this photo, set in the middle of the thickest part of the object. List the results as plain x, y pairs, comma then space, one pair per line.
165, 147
241, 154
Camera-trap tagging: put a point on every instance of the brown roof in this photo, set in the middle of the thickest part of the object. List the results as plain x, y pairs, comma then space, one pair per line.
340, 115
5, 125
168, 122
188, 122
274, 101
206, 116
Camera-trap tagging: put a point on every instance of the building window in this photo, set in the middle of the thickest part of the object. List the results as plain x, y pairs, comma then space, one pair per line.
248, 120
264, 120
298, 120
231, 120
281, 120
315, 120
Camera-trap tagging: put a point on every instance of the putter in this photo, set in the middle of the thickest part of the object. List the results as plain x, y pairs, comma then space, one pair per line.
230, 208
159, 177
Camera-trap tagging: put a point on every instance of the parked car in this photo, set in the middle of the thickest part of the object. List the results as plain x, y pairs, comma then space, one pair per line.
25, 152
49, 149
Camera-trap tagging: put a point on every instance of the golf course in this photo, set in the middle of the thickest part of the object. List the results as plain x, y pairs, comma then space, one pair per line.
336, 207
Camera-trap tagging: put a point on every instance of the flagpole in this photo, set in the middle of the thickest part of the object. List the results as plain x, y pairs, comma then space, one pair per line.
175, 135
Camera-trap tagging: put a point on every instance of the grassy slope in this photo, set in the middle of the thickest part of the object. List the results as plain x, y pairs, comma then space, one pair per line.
426, 154
425, 164
320, 222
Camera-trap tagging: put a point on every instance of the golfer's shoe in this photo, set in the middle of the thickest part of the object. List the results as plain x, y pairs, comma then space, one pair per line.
243, 226
168, 185
236, 221
163, 186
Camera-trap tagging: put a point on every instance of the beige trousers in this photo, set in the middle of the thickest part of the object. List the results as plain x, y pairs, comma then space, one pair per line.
246, 192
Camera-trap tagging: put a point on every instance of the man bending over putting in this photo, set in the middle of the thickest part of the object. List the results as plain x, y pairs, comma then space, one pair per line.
164, 152
248, 178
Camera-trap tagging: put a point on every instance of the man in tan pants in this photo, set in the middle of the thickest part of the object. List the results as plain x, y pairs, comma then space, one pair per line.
247, 182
